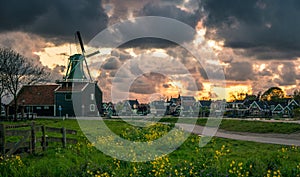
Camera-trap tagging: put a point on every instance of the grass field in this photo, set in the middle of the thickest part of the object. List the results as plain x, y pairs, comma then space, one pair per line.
220, 157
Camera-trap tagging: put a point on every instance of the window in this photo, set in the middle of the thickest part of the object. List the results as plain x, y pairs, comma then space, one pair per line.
68, 97
92, 96
38, 108
46, 107
92, 107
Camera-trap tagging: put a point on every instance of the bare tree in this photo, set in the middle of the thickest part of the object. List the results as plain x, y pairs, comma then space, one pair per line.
18, 71
3, 80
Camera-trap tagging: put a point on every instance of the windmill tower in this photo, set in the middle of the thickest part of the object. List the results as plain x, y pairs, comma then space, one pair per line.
78, 94
75, 71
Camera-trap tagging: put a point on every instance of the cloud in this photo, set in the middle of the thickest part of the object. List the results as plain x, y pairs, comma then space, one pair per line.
126, 10
121, 54
265, 29
23, 43
56, 73
288, 74
143, 85
240, 71
170, 10
111, 64
55, 19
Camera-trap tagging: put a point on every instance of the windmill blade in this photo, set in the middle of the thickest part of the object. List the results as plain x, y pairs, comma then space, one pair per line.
80, 42
87, 67
77, 44
90, 54
78, 36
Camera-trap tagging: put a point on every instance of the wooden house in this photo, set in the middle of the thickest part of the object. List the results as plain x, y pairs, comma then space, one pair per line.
78, 99
35, 99
158, 108
259, 109
129, 107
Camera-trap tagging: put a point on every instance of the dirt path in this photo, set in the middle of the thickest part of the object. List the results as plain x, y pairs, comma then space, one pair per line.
271, 138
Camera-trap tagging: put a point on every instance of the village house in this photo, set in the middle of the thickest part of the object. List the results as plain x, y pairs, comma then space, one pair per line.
158, 108
35, 99
129, 107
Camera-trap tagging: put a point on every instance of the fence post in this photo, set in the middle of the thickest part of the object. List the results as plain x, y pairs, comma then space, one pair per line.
44, 141
64, 137
33, 138
2, 139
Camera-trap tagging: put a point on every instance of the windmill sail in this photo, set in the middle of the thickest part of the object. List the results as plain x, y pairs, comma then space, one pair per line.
75, 71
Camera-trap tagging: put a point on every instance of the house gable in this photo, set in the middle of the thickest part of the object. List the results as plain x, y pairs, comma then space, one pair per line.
293, 104
254, 105
278, 108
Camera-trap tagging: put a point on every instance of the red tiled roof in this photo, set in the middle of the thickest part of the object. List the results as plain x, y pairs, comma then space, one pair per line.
75, 88
36, 95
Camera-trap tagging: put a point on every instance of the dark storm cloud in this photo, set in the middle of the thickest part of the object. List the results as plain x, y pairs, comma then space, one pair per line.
288, 74
142, 85
240, 71
266, 29
147, 83
56, 19
171, 11
111, 64
121, 54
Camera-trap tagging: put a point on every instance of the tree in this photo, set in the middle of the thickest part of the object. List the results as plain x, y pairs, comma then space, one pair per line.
296, 113
3, 89
296, 95
238, 95
273, 94
18, 71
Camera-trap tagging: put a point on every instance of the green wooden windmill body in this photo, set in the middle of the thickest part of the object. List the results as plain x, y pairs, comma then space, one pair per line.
75, 68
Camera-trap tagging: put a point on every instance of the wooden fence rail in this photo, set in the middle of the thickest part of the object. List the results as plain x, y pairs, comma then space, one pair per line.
29, 139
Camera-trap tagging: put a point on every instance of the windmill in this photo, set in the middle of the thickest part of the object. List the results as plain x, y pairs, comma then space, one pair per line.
75, 70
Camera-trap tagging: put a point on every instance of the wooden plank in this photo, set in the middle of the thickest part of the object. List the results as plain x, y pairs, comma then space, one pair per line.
44, 144
16, 132
54, 139
15, 148
53, 130
2, 139
17, 126
64, 137
33, 138
10, 145
72, 132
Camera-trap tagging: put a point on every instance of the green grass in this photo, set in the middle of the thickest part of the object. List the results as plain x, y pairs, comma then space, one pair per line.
215, 159
246, 126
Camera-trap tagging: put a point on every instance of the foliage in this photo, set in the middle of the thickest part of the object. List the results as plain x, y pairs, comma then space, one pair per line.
296, 113
238, 95
273, 94
296, 95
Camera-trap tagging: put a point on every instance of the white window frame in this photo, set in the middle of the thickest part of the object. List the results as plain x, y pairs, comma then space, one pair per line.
92, 96
92, 108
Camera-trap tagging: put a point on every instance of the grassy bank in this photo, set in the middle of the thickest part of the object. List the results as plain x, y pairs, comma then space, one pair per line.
220, 157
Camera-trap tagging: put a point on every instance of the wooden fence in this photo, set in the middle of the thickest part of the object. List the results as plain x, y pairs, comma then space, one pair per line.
26, 135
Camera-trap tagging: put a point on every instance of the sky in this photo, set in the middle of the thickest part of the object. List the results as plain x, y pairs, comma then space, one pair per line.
256, 42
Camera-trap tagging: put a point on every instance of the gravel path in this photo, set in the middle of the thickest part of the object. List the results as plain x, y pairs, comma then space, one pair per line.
271, 138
